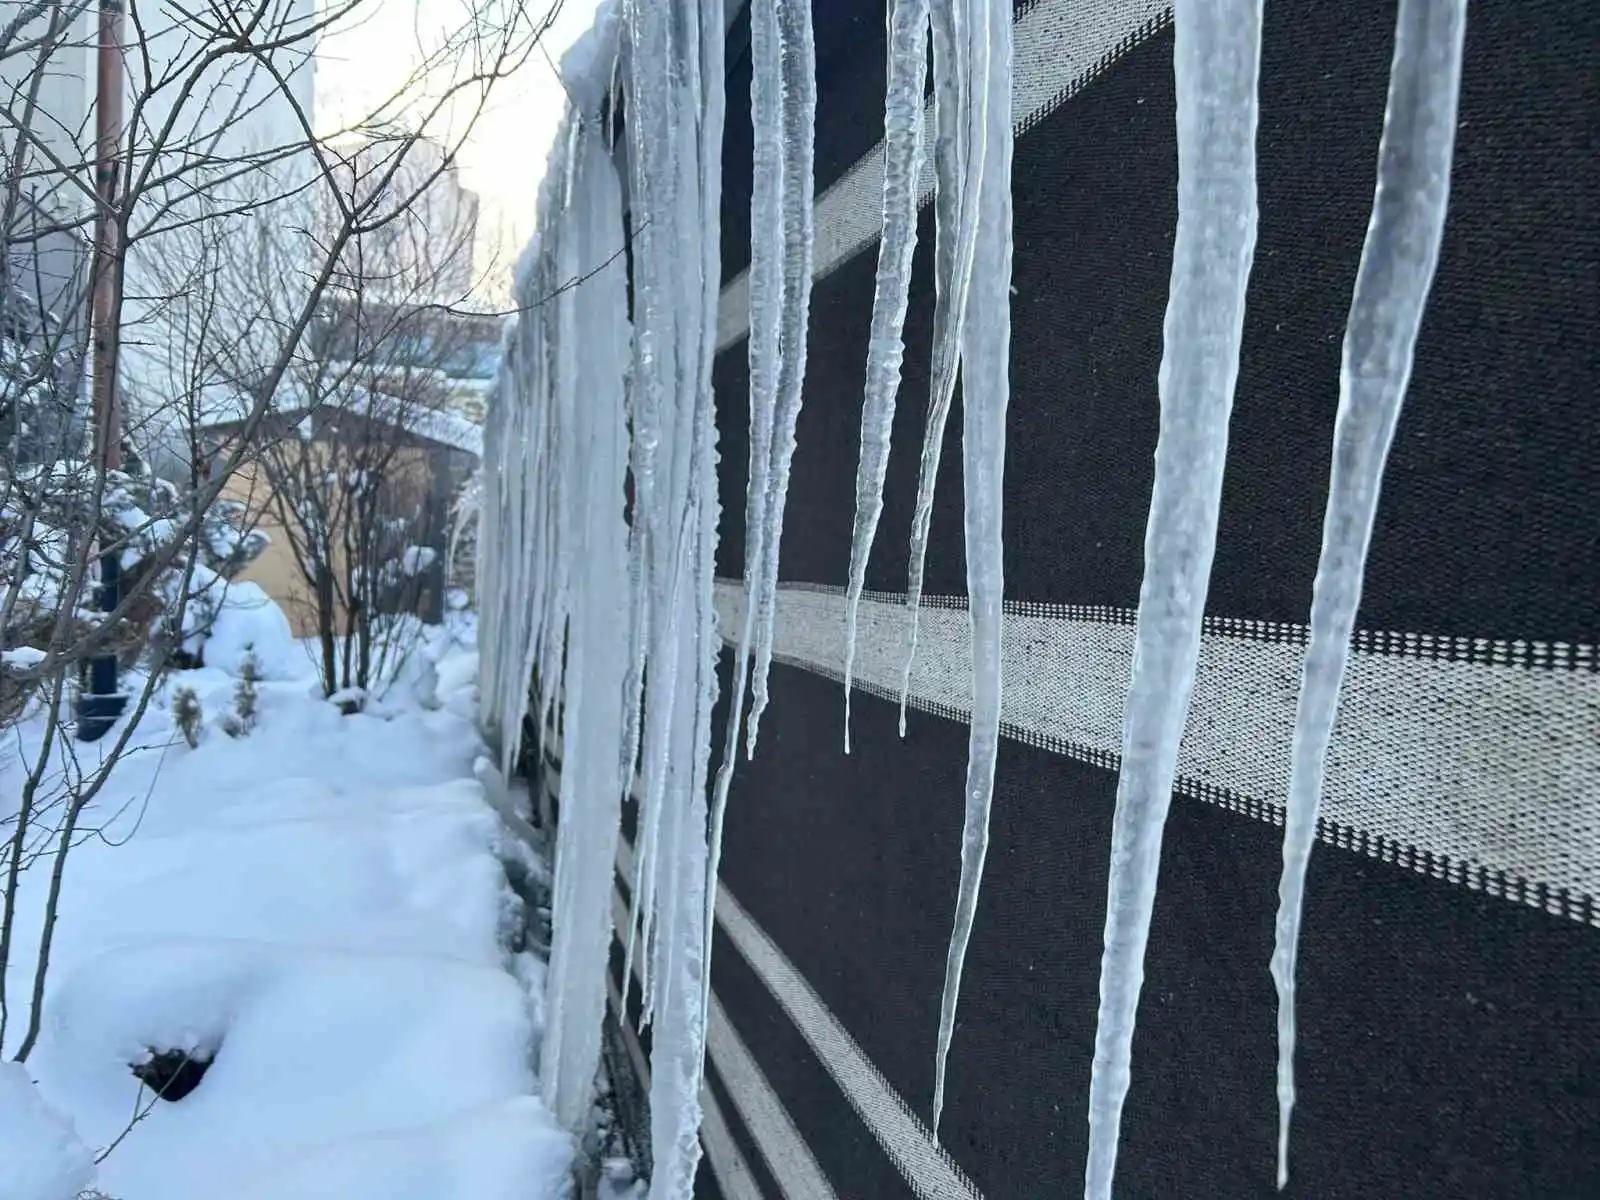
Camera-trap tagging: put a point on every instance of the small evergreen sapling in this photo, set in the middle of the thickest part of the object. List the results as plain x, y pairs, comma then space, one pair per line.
188, 715
242, 720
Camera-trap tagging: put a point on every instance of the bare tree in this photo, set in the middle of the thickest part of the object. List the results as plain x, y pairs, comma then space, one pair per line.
146, 217
357, 459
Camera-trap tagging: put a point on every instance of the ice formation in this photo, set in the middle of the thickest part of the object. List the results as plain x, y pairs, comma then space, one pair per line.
986, 391
790, 66
605, 602
783, 93
592, 482
674, 83
1216, 62
902, 166
1392, 282
961, 95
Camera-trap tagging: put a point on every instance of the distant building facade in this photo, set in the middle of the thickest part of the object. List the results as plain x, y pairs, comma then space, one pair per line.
234, 144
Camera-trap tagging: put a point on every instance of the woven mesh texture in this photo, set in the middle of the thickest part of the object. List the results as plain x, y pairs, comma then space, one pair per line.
1450, 968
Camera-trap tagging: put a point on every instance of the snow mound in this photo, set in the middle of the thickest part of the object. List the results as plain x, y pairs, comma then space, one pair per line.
317, 912
248, 617
41, 1157
307, 1043
462, 1159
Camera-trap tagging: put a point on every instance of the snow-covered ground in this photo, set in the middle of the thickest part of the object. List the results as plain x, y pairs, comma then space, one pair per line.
321, 907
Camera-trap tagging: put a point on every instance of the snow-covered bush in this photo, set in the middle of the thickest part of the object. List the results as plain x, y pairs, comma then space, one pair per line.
153, 513
172, 560
227, 542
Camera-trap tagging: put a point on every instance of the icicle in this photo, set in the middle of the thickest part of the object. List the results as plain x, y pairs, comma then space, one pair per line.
661, 699
632, 731
1392, 283
648, 123
528, 567
798, 95
960, 98
902, 166
714, 97
767, 288
783, 112
675, 81
678, 1037
986, 352
570, 470
1216, 61
590, 479
700, 892
768, 297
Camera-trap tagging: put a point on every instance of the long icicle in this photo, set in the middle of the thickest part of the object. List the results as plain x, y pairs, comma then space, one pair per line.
713, 66
1392, 284
768, 300
764, 348
799, 101
694, 135
566, 1024
649, 127
985, 396
1216, 66
592, 707
960, 96
902, 167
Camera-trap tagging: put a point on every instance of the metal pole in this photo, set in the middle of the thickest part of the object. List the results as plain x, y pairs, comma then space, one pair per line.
101, 703
108, 256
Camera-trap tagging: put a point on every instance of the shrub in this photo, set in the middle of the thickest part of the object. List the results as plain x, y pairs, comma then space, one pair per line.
188, 715
242, 720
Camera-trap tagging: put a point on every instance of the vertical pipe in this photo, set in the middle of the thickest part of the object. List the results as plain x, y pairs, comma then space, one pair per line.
107, 256
100, 703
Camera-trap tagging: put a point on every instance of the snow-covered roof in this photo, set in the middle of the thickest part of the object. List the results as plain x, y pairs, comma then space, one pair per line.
433, 424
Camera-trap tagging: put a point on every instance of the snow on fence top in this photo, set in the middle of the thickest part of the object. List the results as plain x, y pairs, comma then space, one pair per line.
588, 66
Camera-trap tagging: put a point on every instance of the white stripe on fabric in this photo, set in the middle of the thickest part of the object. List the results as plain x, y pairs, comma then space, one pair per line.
788, 1157
727, 1162
734, 1177
926, 1166
1059, 47
1471, 760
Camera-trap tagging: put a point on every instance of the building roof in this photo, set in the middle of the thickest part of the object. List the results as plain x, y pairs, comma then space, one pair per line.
440, 426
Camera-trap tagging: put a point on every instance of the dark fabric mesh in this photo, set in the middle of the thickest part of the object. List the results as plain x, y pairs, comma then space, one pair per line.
1450, 1040
1447, 1040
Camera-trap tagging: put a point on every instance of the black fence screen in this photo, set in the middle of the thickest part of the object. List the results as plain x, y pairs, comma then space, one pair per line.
1449, 973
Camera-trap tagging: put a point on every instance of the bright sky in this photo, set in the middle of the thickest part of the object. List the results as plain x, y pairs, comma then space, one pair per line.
503, 157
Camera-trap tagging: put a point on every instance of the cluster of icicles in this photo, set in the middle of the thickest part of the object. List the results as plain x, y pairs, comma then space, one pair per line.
608, 605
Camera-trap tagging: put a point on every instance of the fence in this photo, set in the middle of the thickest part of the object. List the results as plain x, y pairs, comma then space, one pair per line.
1449, 966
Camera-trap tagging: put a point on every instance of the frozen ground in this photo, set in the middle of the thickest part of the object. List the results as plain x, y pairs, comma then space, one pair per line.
320, 907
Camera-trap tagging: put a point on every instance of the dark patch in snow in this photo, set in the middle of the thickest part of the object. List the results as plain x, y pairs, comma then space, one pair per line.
172, 1074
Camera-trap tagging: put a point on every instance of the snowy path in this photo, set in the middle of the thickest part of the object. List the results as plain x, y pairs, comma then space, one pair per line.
320, 906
